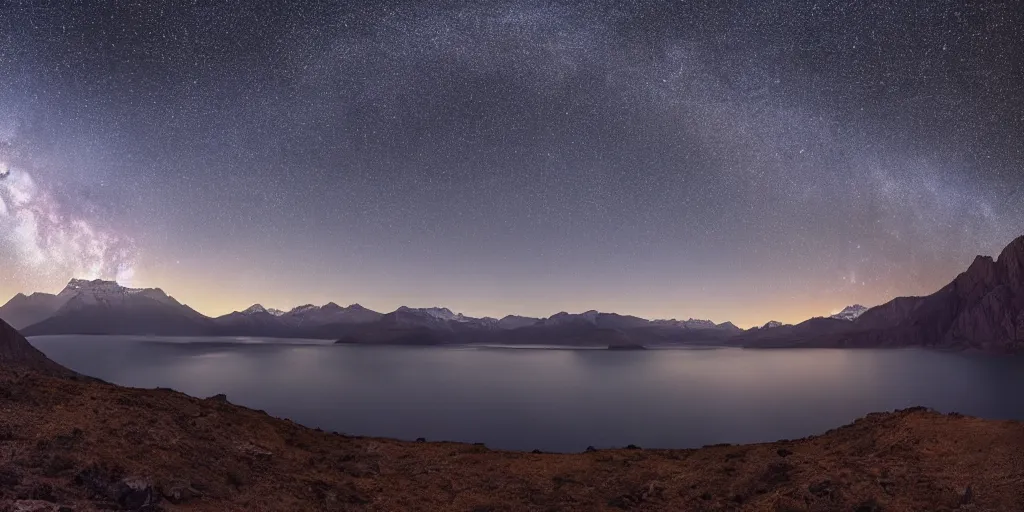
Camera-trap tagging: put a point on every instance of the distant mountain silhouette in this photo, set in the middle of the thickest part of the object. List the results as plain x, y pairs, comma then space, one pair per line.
303, 321
850, 312
514, 322
591, 328
24, 310
330, 313
776, 334
104, 307
982, 309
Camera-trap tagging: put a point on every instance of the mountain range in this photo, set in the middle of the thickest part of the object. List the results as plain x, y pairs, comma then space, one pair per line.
105, 307
982, 308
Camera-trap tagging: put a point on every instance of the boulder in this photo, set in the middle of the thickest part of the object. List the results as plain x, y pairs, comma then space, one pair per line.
179, 491
132, 493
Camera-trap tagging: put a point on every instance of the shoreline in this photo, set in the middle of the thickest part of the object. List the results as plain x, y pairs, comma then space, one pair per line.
84, 439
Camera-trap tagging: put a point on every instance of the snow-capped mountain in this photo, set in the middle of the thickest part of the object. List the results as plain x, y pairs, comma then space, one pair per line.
105, 307
82, 293
772, 324
309, 315
692, 323
258, 308
254, 309
302, 310
438, 313
850, 313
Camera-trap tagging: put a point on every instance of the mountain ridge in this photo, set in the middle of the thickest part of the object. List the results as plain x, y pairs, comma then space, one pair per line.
982, 308
105, 307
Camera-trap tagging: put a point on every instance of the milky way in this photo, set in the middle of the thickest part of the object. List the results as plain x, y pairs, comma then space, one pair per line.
40, 239
740, 161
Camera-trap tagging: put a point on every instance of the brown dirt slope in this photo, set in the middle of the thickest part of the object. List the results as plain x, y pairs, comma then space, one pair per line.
88, 445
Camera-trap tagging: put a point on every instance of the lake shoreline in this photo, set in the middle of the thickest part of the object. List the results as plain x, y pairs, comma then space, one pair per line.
222, 456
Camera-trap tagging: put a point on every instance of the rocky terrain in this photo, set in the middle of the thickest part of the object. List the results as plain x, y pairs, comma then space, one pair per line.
71, 443
982, 309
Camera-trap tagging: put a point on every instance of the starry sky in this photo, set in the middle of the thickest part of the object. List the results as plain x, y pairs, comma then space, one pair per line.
730, 160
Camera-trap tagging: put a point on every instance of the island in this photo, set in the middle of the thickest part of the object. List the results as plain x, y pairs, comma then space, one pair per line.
626, 346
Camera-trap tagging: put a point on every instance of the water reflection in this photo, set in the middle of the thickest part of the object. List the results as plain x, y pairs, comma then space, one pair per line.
557, 400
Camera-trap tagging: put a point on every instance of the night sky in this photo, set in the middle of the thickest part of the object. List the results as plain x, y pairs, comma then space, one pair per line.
740, 161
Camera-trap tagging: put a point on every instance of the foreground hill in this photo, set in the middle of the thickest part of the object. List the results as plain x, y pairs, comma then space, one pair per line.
71, 443
94, 446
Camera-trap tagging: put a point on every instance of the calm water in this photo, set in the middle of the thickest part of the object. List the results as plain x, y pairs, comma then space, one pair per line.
555, 400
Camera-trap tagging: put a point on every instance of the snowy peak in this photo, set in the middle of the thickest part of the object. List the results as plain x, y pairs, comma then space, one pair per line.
305, 308
82, 291
772, 324
97, 286
437, 313
329, 313
254, 309
850, 312
692, 323
101, 287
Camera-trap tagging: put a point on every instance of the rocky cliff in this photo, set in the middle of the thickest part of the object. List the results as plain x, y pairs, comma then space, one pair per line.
983, 308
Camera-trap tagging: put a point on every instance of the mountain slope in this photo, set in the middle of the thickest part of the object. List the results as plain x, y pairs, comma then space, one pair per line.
983, 309
516, 321
24, 310
310, 316
253, 321
104, 307
850, 312
16, 352
806, 333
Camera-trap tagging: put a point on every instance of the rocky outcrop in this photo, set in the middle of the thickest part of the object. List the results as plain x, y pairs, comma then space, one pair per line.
983, 308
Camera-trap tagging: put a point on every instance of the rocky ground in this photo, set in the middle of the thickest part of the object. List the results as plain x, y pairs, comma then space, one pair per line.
79, 444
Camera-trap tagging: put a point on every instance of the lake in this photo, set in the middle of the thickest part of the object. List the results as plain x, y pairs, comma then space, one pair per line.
555, 399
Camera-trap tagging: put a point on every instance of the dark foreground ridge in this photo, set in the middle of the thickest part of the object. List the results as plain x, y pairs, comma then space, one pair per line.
82, 445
